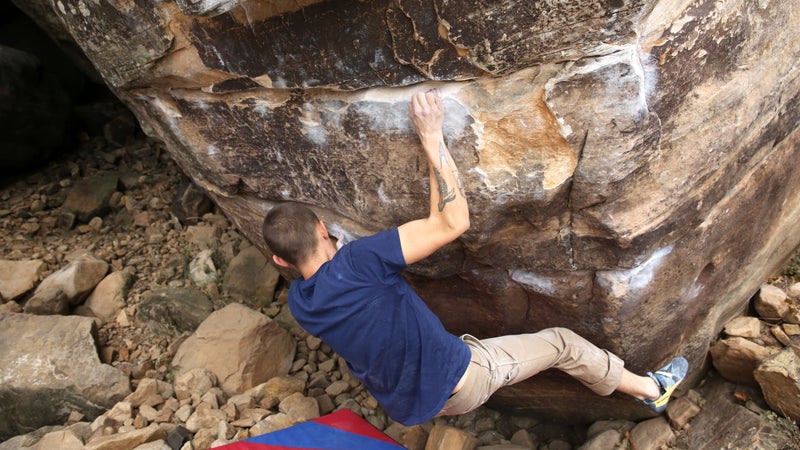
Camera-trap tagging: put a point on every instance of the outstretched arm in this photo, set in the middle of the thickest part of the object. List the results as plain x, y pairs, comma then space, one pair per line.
449, 213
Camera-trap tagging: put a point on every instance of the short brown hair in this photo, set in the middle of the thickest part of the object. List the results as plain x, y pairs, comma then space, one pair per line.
289, 231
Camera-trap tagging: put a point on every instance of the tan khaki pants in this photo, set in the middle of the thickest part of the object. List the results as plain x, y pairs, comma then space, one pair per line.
506, 360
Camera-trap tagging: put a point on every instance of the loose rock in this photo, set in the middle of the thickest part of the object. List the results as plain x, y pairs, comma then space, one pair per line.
18, 278
243, 348
779, 378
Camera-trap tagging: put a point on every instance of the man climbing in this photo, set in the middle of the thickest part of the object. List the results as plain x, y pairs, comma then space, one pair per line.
356, 300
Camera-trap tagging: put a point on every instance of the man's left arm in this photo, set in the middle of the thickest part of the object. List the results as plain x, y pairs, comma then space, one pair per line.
448, 216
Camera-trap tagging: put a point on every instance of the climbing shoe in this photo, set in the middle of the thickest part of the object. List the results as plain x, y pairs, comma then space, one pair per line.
667, 378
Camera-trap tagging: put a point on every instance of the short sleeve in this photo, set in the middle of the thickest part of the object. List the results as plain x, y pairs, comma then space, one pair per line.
379, 255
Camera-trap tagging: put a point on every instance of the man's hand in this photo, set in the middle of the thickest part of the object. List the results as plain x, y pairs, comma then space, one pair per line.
448, 217
427, 114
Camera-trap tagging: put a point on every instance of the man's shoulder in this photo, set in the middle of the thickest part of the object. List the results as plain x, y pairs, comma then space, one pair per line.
384, 245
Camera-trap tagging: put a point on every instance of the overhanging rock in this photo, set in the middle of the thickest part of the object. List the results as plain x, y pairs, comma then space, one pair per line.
629, 164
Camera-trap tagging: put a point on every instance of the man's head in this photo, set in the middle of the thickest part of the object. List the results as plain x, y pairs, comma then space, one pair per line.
290, 232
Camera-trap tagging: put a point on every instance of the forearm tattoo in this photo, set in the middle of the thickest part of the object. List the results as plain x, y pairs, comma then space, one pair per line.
446, 194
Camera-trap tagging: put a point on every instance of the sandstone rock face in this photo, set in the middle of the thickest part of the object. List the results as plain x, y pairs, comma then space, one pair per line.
629, 164
50, 367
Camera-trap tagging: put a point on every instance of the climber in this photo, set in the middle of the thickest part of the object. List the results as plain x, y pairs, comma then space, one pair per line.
356, 300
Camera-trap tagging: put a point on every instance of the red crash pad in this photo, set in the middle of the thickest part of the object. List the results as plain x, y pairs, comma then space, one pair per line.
341, 430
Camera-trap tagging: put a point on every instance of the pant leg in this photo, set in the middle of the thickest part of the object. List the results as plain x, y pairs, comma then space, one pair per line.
506, 360
524, 355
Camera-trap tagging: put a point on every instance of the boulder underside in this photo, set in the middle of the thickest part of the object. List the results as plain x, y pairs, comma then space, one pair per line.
629, 164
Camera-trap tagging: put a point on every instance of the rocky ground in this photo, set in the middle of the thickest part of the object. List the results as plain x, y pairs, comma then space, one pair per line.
158, 244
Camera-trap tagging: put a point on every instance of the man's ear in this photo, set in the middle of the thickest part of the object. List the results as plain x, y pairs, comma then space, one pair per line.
321, 230
280, 261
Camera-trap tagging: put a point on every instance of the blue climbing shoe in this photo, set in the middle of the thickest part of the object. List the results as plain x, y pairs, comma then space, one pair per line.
667, 378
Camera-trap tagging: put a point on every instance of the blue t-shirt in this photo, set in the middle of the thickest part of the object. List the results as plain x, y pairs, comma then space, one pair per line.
361, 306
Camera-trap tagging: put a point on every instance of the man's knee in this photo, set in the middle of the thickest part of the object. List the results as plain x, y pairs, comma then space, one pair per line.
564, 334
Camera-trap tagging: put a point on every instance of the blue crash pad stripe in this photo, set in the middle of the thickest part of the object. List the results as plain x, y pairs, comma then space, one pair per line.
310, 435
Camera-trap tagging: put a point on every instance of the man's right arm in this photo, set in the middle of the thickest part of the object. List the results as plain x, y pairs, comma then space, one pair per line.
448, 216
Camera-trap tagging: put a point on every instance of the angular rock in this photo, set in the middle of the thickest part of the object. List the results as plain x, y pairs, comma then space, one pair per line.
147, 388
177, 437
681, 410
607, 439
299, 408
108, 297
89, 197
120, 130
746, 327
47, 301
204, 237
622, 426
780, 335
251, 279
120, 413
523, 437
191, 204
205, 418
443, 437
202, 270
779, 378
652, 434
278, 387
18, 277
18, 442
725, 422
172, 311
412, 438
241, 402
52, 357
10, 307
771, 303
194, 383
271, 423
793, 290
736, 359
242, 347
204, 438
576, 127
794, 315
77, 279
154, 445
129, 439
61, 440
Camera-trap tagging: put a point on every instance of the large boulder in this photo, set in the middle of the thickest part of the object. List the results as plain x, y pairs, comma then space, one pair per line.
18, 278
629, 164
779, 378
241, 347
50, 368
68, 286
173, 311
251, 279
108, 297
